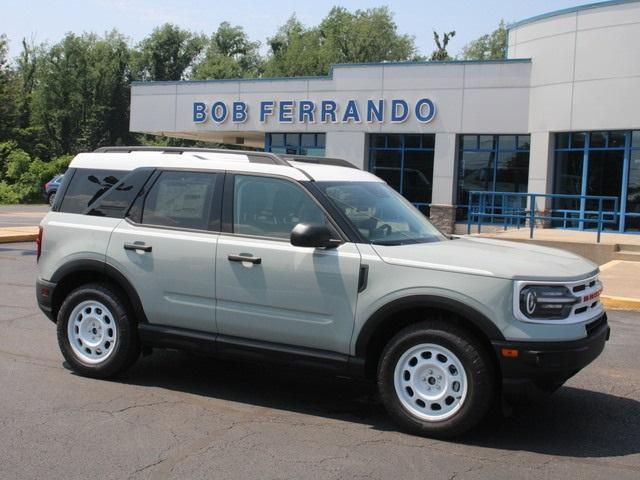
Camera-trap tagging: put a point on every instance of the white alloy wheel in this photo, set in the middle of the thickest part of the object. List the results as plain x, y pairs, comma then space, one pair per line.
92, 332
430, 382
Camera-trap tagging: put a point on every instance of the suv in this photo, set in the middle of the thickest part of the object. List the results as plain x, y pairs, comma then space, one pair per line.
308, 262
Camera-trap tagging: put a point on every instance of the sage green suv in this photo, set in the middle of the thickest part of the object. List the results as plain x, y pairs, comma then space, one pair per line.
307, 262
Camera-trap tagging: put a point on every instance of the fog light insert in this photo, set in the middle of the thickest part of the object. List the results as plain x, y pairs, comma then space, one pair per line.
546, 302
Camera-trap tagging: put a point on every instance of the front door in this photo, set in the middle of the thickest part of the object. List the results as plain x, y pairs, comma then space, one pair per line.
167, 249
269, 290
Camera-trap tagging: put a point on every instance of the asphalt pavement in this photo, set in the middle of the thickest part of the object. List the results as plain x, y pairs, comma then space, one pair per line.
176, 415
22, 215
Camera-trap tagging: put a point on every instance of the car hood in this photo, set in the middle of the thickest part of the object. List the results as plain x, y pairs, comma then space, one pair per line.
489, 257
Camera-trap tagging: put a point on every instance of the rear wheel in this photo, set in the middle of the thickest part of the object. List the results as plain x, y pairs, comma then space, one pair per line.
52, 199
435, 379
96, 331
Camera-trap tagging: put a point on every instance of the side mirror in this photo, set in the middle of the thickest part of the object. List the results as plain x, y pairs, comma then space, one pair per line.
313, 236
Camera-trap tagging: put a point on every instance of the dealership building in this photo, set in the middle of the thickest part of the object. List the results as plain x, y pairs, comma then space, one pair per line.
561, 115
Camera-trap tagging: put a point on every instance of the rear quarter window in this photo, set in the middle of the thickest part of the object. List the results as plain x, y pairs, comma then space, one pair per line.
86, 186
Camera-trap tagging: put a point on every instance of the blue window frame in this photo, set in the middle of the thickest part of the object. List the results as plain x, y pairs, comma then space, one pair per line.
491, 163
598, 163
405, 162
312, 144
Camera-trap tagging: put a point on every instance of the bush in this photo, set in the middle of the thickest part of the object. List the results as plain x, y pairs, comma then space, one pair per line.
24, 177
8, 194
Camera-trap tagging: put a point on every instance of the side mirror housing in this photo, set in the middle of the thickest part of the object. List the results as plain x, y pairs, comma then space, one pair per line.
313, 236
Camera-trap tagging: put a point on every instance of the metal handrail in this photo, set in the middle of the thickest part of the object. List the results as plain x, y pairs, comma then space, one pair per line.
487, 206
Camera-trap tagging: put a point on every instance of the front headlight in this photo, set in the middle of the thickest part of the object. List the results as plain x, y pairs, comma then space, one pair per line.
546, 302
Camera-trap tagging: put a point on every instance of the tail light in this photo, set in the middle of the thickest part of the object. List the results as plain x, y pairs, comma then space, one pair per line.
46, 185
39, 242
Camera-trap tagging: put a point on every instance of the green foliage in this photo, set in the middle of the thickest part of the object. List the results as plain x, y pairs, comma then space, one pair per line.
342, 37
82, 101
440, 53
7, 91
492, 46
60, 99
167, 54
229, 54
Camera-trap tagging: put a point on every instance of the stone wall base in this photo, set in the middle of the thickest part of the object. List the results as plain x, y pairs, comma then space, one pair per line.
443, 217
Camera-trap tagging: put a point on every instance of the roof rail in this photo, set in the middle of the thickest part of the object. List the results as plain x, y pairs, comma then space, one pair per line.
338, 162
254, 157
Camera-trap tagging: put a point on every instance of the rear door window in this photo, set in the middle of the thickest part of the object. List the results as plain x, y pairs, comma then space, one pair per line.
182, 200
87, 186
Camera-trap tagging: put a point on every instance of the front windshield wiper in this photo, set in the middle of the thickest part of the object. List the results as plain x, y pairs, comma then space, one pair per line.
392, 243
408, 241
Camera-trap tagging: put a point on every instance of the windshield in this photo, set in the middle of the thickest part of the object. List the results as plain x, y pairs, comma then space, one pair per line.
381, 215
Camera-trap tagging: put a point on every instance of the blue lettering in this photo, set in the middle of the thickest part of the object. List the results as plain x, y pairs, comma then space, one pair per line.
328, 108
199, 112
307, 108
425, 105
375, 112
266, 108
218, 112
397, 116
239, 114
286, 111
351, 112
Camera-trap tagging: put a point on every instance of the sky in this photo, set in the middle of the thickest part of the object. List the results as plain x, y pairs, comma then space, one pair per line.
49, 20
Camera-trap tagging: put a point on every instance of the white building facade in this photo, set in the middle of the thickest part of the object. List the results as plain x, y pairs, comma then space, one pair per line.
561, 115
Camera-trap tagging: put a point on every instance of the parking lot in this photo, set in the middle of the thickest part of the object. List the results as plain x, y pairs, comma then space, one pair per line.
179, 416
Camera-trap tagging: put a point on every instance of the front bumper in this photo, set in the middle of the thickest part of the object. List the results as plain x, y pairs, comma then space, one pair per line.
543, 365
44, 296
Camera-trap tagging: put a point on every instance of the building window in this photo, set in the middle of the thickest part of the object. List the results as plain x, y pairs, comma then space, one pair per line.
405, 161
295, 143
604, 163
491, 163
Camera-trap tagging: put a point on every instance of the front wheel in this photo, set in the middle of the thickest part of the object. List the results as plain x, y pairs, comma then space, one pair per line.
96, 331
435, 379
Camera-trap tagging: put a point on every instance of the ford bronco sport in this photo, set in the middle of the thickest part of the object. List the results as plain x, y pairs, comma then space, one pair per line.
308, 262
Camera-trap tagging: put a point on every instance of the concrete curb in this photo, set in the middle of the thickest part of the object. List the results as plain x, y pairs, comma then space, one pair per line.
620, 303
18, 234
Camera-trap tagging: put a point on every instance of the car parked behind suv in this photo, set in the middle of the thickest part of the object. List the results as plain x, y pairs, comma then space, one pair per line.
309, 262
51, 188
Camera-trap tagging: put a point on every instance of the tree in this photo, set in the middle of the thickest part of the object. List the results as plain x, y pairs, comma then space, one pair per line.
342, 37
167, 54
492, 46
229, 54
7, 91
81, 101
440, 53
364, 36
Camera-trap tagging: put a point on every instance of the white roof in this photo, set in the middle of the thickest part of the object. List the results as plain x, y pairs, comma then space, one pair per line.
217, 161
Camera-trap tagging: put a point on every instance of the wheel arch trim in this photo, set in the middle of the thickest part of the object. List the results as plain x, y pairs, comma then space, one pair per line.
387, 311
106, 271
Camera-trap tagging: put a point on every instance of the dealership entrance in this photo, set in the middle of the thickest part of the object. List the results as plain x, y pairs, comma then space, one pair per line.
599, 163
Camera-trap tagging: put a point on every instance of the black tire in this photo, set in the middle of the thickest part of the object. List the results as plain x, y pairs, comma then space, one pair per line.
127, 347
51, 198
479, 369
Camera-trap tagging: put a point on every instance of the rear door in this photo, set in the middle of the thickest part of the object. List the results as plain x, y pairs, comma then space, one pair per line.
166, 247
281, 293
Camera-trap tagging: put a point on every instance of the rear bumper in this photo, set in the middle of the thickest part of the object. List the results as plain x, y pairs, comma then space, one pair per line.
539, 366
44, 296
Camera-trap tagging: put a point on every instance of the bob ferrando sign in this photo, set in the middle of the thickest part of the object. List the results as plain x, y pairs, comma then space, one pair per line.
310, 111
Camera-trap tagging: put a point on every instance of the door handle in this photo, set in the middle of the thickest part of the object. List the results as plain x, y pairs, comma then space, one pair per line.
137, 246
245, 258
